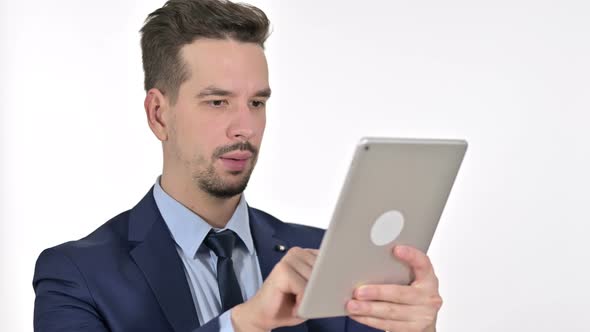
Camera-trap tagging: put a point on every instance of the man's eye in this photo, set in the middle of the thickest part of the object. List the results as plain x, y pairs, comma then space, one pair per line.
257, 103
217, 103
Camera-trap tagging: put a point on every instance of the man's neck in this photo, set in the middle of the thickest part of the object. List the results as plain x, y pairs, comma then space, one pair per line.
215, 211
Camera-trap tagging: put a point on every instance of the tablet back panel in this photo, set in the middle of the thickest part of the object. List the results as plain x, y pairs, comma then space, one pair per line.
412, 178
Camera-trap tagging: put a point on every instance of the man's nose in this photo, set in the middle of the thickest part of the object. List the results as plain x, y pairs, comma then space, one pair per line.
243, 124
243, 134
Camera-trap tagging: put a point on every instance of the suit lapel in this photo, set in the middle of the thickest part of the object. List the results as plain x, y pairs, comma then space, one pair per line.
156, 257
267, 242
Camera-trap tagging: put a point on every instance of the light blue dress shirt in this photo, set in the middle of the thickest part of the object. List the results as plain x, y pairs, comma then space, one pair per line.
200, 264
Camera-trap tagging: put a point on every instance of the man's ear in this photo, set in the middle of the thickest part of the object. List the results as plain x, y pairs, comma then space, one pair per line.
156, 109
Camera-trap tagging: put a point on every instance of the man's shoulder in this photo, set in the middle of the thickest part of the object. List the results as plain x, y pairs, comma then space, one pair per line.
113, 236
110, 236
105, 249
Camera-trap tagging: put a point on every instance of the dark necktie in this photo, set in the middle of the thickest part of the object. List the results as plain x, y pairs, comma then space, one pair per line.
222, 244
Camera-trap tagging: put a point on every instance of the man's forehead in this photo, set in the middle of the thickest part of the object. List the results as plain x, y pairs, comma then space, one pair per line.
216, 51
226, 64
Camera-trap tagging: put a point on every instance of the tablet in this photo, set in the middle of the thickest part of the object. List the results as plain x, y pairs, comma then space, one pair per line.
394, 193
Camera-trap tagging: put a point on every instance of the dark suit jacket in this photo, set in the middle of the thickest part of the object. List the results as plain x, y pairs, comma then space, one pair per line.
127, 276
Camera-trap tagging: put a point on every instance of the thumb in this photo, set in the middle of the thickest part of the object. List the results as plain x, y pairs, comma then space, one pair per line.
419, 263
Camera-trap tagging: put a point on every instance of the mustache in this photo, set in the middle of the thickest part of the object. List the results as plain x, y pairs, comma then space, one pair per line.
241, 146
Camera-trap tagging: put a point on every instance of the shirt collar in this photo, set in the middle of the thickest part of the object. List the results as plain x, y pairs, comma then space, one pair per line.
189, 230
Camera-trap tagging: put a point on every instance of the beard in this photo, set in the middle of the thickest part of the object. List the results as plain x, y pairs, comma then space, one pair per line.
212, 183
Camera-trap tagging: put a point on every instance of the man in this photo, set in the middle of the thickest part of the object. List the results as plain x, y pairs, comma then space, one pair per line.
192, 255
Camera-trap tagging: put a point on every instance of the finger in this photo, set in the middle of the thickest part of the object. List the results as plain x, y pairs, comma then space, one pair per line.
391, 293
293, 282
300, 257
315, 252
385, 324
299, 265
419, 263
383, 310
297, 284
305, 254
310, 256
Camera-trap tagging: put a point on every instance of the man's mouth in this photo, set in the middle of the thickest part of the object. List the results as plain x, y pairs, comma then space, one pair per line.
236, 161
237, 155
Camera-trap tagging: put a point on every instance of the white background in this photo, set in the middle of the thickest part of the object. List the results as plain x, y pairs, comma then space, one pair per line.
511, 77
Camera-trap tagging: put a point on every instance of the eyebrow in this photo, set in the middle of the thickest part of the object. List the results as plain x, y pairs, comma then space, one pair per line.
263, 93
215, 91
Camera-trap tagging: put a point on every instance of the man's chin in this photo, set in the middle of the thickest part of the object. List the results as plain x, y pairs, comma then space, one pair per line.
235, 173
227, 185
226, 191
220, 182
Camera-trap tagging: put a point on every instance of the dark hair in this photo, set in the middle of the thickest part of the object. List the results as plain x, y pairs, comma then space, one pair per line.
180, 22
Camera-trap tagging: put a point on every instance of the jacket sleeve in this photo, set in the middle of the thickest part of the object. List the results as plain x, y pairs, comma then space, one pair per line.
62, 299
354, 326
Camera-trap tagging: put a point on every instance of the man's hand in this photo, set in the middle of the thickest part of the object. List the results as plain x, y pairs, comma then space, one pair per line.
276, 303
412, 308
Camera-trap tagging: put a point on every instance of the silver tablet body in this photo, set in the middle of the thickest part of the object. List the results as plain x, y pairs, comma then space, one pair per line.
394, 193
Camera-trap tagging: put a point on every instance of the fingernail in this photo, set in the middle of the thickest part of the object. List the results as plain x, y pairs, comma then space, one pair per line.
353, 306
362, 291
401, 250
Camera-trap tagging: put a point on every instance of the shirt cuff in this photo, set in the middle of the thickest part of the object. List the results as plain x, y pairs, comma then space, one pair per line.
225, 324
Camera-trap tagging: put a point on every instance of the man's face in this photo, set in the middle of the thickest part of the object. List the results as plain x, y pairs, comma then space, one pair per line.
217, 124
